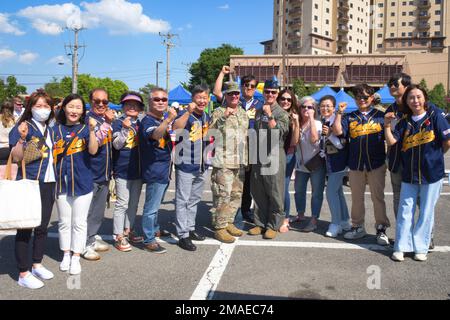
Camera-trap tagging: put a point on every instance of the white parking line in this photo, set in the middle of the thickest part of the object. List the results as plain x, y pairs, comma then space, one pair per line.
309, 192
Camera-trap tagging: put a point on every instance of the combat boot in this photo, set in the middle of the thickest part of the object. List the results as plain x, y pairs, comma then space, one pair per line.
223, 236
231, 228
255, 231
270, 234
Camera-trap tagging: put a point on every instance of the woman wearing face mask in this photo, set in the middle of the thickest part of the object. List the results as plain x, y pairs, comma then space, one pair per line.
287, 100
75, 141
33, 125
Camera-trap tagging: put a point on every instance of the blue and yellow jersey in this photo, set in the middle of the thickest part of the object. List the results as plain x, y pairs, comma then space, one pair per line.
365, 135
126, 161
197, 128
251, 112
34, 170
155, 155
73, 170
421, 147
101, 163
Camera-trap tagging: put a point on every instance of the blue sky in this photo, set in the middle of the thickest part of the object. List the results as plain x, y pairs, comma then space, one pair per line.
122, 36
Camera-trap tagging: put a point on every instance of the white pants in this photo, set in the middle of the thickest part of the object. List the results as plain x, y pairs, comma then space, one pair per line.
73, 212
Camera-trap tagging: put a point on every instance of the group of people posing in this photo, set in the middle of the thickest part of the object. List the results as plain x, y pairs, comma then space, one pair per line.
253, 148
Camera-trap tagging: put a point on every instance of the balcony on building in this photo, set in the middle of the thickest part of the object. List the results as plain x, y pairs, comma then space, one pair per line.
342, 29
297, 23
295, 12
342, 40
424, 5
423, 26
424, 16
343, 6
295, 35
437, 44
343, 18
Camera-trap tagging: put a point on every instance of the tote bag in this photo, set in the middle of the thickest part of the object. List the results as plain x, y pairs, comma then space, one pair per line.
20, 201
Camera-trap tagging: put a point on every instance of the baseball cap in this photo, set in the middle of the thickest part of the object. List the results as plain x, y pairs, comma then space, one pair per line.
232, 87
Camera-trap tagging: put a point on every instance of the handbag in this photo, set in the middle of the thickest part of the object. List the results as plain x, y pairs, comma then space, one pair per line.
15, 213
33, 149
315, 163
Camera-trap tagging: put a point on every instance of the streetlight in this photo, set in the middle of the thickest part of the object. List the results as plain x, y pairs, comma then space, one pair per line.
157, 73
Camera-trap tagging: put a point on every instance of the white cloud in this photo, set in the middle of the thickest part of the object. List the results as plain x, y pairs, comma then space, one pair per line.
118, 16
9, 27
6, 54
28, 57
224, 7
58, 59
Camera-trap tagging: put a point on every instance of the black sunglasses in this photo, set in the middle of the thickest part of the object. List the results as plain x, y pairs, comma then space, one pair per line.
98, 102
160, 99
286, 99
274, 92
249, 86
234, 93
394, 83
361, 97
308, 107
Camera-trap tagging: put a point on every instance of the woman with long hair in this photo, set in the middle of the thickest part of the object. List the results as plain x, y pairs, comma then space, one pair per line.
7, 122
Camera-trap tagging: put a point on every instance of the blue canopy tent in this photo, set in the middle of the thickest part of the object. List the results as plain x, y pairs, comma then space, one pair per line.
112, 106
385, 95
180, 95
341, 96
325, 91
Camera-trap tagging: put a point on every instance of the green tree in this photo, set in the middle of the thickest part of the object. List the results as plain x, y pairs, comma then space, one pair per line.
208, 66
145, 91
438, 96
423, 84
54, 89
312, 88
11, 88
299, 88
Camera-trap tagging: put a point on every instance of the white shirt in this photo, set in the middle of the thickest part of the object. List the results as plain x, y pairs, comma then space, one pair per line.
419, 117
17, 115
305, 150
248, 104
50, 172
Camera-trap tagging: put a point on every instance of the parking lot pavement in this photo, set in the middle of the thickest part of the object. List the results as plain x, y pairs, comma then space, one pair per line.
295, 265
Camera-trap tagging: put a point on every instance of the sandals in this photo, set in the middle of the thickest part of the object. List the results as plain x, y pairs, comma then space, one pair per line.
285, 226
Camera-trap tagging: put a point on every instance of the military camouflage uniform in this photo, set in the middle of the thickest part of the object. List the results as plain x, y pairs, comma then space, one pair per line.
268, 190
231, 156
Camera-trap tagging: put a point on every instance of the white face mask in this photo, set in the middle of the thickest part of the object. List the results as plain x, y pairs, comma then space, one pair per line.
40, 114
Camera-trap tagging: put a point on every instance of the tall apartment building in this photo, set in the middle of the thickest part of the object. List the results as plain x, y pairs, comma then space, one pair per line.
321, 27
410, 26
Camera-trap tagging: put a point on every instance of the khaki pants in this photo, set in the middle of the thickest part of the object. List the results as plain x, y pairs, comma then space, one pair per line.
376, 180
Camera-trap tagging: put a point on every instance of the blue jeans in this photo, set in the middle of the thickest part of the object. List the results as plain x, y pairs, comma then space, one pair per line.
336, 199
154, 194
290, 165
317, 185
411, 236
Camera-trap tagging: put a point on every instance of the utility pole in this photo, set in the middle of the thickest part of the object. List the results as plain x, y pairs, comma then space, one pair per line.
157, 73
74, 52
282, 27
169, 45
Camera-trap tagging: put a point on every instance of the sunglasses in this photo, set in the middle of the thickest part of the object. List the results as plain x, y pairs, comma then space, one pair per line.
18, 103
362, 98
98, 102
249, 86
308, 107
286, 99
160, 99
395, 84
273, 92
235, 93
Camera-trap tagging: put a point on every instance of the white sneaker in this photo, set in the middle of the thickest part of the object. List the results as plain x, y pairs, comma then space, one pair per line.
100, 245
30, 282
398, 256
382, 238
42, 273
65, 263
346, 226
420, 257
75, 266
333, 230
355, 233
90, 254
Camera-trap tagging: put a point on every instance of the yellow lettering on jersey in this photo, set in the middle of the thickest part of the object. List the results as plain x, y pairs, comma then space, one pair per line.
251, 113
132, 140
76, 146
162, 143
196, 132
108, 138
357, 130
422, 137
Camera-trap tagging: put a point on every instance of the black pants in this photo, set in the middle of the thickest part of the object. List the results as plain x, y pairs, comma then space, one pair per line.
246, 195
23, 236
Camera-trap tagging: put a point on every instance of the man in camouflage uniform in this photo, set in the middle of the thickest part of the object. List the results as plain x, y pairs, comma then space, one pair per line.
231, 125
267, 179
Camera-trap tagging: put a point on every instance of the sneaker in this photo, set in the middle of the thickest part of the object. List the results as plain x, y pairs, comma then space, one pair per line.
155, 248
333, 230
100, 245
382, 238
346, 226
42, 273
355, 233
30, 282
75, 266
90, 253
122, 244
195, 236
65, 263
162, 233
186, 244
310, 227
397, 256
133, 237
420, 257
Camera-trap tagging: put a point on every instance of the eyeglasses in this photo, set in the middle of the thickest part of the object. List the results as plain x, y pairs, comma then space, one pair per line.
18, 103
249, 86
362, 97
273, 92
308, 107
286, 99
234, 93
156, 99
98, 102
